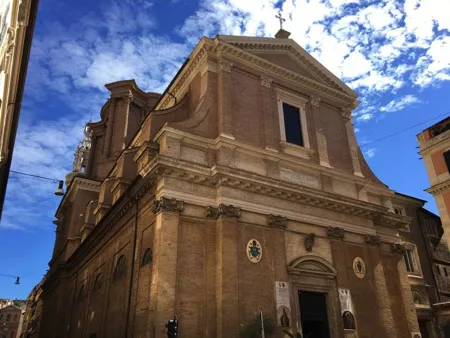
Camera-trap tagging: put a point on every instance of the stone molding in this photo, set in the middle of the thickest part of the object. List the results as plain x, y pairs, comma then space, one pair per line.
228, 211
23, 12
311, 265
439, 188
276, 221
336, 233
165, 204
372, 240
266, 82
224, 65
315, 101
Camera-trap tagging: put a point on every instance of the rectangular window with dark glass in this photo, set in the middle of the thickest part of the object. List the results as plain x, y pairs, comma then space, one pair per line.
292, 124
409, 261
447, 159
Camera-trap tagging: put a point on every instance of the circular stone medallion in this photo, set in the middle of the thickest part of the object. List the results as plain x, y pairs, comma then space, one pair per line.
254, 251
359, 267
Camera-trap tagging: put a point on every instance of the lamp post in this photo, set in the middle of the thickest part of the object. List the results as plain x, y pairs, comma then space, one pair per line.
16, 277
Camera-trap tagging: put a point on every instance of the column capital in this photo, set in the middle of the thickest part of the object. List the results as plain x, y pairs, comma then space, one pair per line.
347, 113
128, 98
373, 240
224, 65
265, 81
335, 232
228, 211
167, 205
314, 101
277, 221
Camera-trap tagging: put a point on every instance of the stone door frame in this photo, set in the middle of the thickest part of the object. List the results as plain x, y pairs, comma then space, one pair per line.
315, 274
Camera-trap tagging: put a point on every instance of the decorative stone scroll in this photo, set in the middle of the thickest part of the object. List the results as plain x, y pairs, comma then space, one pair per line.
398, 248
373, 240
315, 101
224, 65
167, 205
266, 82
228, 211
309, 241
277, 221
335, 232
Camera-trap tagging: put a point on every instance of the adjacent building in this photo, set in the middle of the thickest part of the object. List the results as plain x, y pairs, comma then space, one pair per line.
427, 262
17, 19
11, 320
33, 313
434, 144
241, 189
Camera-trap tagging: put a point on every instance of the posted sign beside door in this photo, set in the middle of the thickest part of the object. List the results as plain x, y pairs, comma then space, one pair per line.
283, 304
347, 314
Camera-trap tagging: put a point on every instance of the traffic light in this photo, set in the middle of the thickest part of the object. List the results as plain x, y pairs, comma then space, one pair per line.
172, 327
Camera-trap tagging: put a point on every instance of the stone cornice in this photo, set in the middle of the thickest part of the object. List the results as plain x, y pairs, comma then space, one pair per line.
219, 49
274, 70
261, 44
439, 188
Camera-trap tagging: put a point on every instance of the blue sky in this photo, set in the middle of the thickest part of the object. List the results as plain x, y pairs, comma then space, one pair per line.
395, 54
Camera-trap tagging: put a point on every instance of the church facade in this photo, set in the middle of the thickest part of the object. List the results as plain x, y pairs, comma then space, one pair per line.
239, 193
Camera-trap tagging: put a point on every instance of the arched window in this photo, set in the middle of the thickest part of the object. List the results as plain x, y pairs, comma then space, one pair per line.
147, 258
98, 284
81, 294
121, 268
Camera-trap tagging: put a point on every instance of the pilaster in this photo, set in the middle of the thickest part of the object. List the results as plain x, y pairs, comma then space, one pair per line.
109, 127
224, 98
383, 299
165, 255
126, 134
407, 298
227, 292
266, 109
349, 129
318, 135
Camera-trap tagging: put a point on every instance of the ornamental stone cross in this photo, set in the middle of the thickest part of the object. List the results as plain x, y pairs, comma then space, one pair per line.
280, 17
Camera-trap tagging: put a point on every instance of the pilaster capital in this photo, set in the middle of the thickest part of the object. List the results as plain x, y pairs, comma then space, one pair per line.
167, 205
314, 101
128, 98
398, 248
265, 81
224, 65
228, 211
373, 240
347, 113
335, 232
277, 221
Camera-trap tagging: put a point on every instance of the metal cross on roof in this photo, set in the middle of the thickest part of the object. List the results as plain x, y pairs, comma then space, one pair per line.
280, 17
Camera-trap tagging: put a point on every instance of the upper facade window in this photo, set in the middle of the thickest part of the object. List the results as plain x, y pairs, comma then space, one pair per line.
292, 124
412, 261
447, 159
291, 111
399, 210
147, 258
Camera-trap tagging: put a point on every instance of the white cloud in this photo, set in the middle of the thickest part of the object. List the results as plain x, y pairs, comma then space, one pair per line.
369, 153
400, 103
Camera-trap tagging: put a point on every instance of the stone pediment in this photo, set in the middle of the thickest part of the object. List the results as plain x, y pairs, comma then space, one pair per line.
289, 55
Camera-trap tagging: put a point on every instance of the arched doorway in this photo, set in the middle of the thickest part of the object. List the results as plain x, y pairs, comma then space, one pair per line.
316, 297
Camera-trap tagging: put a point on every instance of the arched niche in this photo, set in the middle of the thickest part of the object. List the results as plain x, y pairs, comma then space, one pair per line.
315, 274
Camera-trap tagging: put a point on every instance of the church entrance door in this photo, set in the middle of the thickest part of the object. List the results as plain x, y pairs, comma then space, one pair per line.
313, 312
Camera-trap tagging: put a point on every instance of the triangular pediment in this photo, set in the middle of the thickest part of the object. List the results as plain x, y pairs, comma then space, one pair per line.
288, 54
